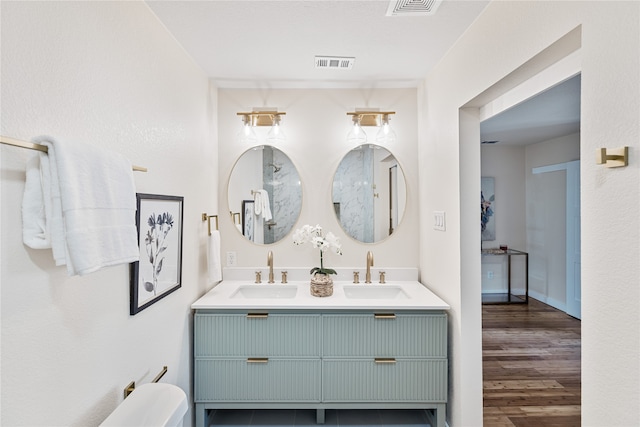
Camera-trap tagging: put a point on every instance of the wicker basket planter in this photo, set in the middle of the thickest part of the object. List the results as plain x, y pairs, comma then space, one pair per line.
321, 285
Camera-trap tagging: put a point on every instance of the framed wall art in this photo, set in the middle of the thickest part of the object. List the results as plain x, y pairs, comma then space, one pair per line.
487, 208
159, 270
248, 216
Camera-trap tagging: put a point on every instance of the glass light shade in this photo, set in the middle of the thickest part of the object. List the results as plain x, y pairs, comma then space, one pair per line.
386, 135
247, 135
276, 134
356, 135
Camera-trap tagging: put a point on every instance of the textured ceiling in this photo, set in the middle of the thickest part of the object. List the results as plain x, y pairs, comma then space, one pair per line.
550, 114
272, 44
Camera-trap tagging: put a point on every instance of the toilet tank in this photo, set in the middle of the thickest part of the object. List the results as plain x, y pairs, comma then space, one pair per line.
153, 404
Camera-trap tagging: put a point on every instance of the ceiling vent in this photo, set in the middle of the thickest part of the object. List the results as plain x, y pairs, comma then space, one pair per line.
412, 7
335, 62
489, 142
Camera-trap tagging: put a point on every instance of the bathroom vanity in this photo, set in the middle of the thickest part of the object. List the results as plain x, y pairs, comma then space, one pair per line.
276, 346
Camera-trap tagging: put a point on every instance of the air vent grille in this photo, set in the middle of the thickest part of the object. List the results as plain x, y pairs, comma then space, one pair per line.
335, 62
412, 7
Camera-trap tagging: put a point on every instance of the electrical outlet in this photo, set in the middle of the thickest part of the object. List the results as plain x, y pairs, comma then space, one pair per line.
489, 274
232, 259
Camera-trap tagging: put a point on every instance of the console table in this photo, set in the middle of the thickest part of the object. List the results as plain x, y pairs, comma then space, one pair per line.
508, 297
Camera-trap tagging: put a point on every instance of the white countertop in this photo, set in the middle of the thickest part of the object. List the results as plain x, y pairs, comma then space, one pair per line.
411, 295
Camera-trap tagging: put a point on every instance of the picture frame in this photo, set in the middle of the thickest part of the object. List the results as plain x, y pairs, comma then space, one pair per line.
248, 217
158, 273
487, 208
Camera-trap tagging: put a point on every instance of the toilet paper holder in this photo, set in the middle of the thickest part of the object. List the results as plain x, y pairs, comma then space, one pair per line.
132, 385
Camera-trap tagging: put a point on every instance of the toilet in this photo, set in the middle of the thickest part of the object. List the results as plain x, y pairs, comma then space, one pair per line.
152, 404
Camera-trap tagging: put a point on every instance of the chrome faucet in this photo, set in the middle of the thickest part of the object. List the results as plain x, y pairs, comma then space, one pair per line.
270, 265
367, 277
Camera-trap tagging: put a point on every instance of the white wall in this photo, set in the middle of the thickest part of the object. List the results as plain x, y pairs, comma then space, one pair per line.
316, 125
502, 39
506, 165
108, 74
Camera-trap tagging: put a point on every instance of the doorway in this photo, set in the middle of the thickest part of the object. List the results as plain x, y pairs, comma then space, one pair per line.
532, 153
537, 192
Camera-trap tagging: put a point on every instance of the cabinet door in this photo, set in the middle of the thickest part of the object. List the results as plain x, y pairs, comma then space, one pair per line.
368, 335
242, 335
406, 380
240, 380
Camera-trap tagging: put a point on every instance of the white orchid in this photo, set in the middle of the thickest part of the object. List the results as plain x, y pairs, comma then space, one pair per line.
319, 240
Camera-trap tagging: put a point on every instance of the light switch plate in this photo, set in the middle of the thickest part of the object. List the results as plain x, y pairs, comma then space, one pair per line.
439, 221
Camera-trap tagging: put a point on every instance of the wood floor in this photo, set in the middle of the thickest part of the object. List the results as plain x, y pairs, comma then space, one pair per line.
531, 366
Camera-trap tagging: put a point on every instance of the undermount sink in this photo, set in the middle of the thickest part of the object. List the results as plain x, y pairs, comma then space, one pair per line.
375, 292
265, 291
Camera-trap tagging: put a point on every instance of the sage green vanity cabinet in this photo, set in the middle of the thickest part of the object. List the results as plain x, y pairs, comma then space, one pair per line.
320, 360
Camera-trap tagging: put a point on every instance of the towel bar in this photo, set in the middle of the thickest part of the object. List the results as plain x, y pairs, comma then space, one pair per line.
39, 147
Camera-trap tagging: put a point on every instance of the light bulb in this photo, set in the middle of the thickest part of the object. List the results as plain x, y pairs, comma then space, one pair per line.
385, 135
276, 134
356, 135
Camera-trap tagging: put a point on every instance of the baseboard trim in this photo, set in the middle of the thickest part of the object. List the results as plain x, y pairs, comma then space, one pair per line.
549, 301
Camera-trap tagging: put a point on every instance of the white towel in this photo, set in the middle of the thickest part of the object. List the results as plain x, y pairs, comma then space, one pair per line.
213, 257
35, 232
91, 202
261, 204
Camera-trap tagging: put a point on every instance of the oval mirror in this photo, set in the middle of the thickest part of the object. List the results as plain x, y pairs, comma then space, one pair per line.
264, 194
369, 193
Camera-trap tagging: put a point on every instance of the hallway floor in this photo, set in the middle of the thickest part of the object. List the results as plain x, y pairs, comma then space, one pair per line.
531, 366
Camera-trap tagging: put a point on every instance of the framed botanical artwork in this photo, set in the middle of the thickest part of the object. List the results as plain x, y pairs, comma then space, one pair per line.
248, 214
159, 270
487, 208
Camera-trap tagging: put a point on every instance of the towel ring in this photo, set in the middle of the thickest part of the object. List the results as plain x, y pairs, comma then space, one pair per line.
207, 217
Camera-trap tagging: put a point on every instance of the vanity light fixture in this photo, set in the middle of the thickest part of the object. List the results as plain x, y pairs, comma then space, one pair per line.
385, 135
257, 117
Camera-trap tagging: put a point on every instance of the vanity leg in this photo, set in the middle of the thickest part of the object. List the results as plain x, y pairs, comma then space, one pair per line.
320, 416
441, 414
201, 415
509, 278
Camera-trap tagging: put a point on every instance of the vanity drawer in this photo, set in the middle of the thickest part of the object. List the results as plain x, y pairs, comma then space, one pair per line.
243, 335
405, 380
399, 335
274, 380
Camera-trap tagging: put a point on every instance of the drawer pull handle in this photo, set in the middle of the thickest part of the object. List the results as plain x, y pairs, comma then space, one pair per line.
257, 360
384, 316
257, 315
382, 360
